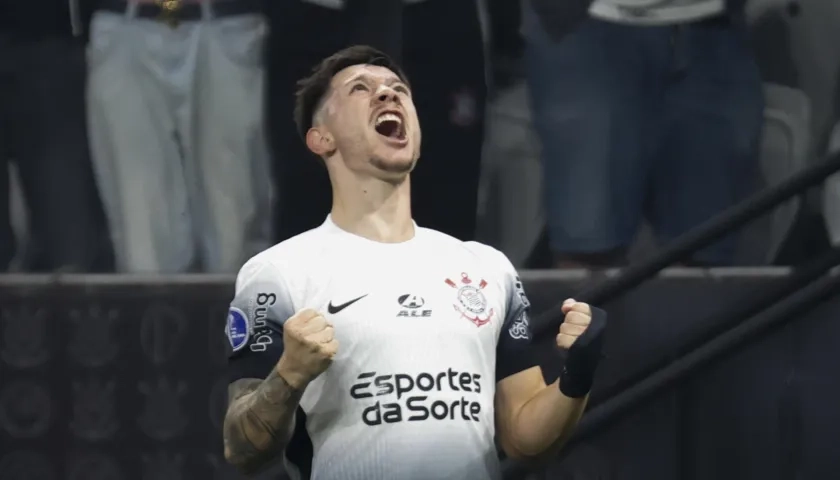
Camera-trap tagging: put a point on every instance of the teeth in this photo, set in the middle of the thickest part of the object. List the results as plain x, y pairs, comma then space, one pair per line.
388, 117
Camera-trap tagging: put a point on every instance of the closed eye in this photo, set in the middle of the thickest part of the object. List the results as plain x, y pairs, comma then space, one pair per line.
359, 86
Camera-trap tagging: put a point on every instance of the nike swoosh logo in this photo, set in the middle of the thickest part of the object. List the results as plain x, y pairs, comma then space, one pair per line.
333, 309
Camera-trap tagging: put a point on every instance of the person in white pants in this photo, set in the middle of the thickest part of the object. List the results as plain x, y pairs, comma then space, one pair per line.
510, 214
175, 112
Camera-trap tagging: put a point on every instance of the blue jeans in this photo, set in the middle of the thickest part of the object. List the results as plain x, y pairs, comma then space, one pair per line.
656, 123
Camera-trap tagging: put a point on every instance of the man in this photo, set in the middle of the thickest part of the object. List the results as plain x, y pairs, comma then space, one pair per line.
451, 105
646, 110
175, 107
377, 342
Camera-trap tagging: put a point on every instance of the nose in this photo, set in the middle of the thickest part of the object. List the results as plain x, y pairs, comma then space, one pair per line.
386, 94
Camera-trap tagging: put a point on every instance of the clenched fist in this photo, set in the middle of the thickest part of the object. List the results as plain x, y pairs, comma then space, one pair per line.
309, 346
582, 335
577, 320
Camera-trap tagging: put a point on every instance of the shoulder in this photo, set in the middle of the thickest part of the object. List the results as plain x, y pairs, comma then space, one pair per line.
490, 258
473, 249
490, 254
289, 258
269, 284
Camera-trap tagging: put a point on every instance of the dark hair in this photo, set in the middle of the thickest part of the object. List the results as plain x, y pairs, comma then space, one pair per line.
312, 89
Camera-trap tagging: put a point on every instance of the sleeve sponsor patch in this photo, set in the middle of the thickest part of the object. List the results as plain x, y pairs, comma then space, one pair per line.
520, 328
520, 291
238, 329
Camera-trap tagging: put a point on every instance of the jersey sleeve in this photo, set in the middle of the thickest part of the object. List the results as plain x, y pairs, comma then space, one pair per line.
255, 320
514, 352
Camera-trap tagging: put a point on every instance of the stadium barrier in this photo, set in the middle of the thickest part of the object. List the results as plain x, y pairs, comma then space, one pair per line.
679, 250
112, 378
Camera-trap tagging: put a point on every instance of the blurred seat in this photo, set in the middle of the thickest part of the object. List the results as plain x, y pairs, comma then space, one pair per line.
831, 193
785, 146
815, 37
796, 45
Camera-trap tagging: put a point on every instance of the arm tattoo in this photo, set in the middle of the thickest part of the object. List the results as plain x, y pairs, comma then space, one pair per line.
259, 420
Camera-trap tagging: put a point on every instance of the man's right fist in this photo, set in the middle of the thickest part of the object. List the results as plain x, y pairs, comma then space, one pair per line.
309, 346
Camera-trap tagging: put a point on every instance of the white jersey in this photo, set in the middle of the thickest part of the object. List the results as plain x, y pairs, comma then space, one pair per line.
419, 324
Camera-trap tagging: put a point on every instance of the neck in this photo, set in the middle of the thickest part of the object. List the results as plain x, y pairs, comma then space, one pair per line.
374, 209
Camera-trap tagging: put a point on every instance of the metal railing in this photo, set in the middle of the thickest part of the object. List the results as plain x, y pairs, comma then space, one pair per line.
762, 313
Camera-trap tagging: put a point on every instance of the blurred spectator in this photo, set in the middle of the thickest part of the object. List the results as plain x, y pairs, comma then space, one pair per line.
449, 80
42, 130
443, 56
648, 109
510, 211
511, 215
175, 101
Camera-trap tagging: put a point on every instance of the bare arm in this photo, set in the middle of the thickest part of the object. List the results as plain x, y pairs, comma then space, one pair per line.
259, 421
289, 349
534, 420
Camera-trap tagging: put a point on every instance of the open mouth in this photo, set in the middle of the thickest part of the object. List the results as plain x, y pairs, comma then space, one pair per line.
390, 125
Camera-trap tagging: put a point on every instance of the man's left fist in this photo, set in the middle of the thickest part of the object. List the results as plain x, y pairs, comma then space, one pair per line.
577, 320
582, 334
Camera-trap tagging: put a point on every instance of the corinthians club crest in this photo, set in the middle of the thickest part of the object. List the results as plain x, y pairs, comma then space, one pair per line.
471, 302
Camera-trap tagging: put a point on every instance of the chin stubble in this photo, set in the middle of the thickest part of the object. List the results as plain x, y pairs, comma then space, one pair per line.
392, 167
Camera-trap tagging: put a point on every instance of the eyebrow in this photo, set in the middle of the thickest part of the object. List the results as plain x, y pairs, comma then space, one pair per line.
366, 78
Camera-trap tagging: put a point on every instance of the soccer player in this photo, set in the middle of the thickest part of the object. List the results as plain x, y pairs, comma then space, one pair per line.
371, 348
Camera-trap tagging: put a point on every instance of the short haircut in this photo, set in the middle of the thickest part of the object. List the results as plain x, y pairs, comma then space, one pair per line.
311, 89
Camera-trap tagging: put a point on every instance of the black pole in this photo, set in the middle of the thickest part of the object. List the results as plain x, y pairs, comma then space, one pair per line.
697, 238
614, 409
796, 281
799, 278
789, 309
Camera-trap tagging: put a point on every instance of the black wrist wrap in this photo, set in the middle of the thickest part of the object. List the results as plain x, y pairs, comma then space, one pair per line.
582, 359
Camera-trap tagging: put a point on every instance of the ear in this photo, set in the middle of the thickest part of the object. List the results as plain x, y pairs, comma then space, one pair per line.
320, 142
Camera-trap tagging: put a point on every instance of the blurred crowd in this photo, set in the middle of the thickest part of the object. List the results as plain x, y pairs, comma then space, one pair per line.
156, 136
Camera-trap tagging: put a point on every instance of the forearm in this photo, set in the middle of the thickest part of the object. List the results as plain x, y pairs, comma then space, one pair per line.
259, 422
546, 422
